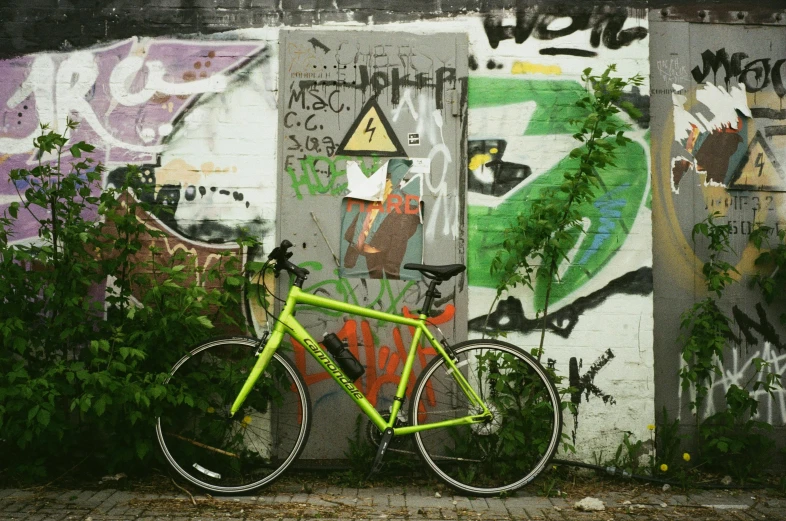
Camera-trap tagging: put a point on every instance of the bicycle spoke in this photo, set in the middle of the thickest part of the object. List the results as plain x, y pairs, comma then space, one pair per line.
235, 454
484, 458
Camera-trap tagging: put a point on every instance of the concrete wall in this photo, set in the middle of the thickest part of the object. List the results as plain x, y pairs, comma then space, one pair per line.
190, 93
718, 146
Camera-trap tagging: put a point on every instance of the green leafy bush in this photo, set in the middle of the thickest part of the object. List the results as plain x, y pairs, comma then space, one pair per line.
94, 316
706, 328
731, 441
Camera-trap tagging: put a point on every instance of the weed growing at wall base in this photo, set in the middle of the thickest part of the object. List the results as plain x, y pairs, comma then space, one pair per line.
539, 240
732, 441
95, 312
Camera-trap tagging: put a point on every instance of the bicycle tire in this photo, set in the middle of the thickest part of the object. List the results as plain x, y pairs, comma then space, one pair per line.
239, 454
500, 456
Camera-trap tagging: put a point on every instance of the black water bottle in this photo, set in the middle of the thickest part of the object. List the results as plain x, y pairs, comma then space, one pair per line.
343, 357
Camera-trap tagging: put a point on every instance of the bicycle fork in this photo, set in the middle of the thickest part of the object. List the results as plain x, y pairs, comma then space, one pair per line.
264, 354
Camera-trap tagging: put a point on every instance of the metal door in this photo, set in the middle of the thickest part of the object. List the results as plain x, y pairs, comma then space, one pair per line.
372, 133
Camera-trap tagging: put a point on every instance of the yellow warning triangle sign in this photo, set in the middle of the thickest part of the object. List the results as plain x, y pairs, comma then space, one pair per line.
371, 134
759, 169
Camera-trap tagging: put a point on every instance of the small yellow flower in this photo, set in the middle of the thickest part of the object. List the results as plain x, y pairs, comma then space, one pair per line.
210, 410
686, 456
651, 427
664, 467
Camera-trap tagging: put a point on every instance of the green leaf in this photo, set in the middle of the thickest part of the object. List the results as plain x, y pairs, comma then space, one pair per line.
43, 417
100, 406
205, 321
142, 448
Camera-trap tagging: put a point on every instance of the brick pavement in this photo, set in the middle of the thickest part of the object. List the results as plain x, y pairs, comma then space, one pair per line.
291, 503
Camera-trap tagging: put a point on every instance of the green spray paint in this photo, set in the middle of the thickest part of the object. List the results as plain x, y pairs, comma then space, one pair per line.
611, 216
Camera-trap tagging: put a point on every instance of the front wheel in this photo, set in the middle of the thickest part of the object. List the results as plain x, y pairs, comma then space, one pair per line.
512, 448
237, 454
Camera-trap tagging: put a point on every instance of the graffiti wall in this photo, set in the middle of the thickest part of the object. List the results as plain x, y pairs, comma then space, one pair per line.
299, 137
167, 106
525, 81
721, 148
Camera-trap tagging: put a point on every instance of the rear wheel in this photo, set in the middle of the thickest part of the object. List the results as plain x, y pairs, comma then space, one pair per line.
504, 453
237, 454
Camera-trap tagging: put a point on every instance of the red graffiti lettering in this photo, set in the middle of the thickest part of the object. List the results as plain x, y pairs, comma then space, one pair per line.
384, 363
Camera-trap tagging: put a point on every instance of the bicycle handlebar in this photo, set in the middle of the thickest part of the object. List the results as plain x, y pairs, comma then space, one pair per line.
281, 255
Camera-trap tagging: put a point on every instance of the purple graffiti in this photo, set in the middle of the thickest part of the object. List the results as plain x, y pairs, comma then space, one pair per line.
127, 97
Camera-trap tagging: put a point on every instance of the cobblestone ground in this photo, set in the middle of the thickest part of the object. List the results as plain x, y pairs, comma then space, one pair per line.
388, 504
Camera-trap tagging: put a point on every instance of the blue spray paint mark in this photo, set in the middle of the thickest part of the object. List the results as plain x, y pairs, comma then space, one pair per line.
609, 208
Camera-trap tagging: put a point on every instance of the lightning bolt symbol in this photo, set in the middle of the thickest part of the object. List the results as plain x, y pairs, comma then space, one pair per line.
371, 129
759, 163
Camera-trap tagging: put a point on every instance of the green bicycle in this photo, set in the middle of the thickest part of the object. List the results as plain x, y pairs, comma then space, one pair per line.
484, 414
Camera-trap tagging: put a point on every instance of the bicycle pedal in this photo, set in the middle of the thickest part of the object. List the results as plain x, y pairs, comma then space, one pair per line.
384, 442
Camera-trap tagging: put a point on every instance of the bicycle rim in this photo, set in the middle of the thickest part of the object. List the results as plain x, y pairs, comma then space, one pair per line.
231, 455
501, 455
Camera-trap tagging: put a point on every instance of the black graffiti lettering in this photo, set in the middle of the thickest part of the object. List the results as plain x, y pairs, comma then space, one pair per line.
613, 36
761, 75
295, 95
307, 93
509, 315
444, 75
308, 126
365, 81
556, 51
712, 62
777, 78
584, 384
578, 22
605, 23
331, 102
381, 81
763, 327
312, 144
395, 96
287, 123
317, 103
295, 143
756, 75
330, 145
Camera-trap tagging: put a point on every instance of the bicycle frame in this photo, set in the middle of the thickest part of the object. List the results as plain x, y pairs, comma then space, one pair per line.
287, 323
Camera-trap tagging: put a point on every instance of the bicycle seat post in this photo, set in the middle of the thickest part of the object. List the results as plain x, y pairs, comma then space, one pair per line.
431, 293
